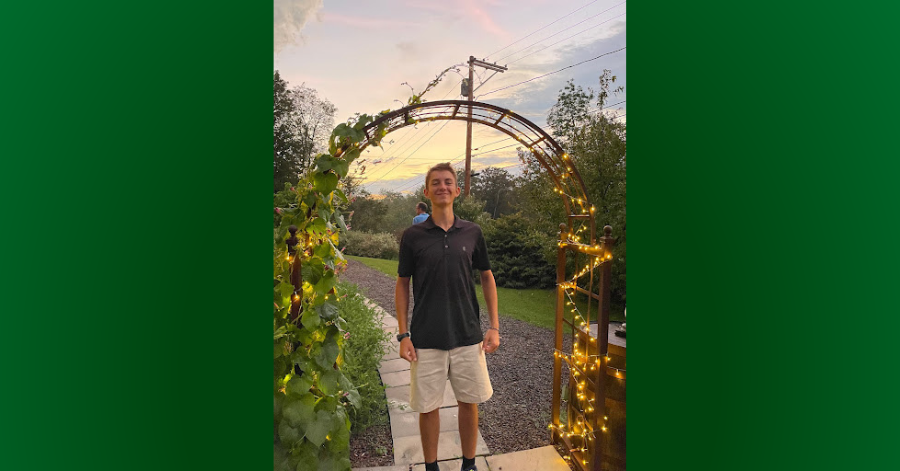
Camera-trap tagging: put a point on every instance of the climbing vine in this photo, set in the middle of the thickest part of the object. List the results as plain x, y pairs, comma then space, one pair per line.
311, 393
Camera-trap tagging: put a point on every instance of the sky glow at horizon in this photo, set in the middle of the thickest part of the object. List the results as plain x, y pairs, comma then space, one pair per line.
357, 54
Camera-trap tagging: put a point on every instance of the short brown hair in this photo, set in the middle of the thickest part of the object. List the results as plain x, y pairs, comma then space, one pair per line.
422, 206
440, 168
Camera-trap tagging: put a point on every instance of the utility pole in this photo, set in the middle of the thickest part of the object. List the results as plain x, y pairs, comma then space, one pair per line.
470, 91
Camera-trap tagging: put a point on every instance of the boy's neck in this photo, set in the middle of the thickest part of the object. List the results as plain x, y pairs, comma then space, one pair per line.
443, 217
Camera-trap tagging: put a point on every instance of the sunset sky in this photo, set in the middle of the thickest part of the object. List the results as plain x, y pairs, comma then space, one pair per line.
356, 54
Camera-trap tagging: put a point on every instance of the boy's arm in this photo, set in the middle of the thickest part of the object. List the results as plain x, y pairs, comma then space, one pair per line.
489, 288
401, 302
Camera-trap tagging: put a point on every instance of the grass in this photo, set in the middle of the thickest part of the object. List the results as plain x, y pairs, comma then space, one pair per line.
535, 306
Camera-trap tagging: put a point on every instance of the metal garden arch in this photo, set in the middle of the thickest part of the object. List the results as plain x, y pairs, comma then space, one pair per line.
594, 432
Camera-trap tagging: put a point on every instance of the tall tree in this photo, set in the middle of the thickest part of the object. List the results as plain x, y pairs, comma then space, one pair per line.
597, 145
497, 188
302, 124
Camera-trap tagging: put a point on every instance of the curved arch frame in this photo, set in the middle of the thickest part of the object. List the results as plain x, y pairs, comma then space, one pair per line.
580, 216
550, 155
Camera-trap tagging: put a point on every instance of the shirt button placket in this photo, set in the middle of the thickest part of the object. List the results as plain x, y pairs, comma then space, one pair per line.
445, 242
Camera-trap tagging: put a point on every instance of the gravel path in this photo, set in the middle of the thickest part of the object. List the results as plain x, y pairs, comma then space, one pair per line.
521, 370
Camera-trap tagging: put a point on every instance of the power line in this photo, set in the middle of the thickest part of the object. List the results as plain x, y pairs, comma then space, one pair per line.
541, 29
413, 152
554, 72
457, 159
566, 38
562, 31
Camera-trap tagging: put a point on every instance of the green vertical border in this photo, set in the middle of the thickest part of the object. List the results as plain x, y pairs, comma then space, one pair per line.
135, 179
762, 210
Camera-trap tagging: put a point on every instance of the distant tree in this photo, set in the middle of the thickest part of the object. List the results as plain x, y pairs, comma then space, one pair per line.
497, 188
597, 145
287, 147
302, 124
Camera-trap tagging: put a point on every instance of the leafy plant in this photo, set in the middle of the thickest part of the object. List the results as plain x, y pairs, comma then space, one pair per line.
312, 394
364, 346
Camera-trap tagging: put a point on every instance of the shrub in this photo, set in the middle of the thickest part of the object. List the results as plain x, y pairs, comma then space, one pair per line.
363, 350
516, 255
366, 244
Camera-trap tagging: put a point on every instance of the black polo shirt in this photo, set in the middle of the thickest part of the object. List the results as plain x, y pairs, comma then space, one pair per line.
445, 315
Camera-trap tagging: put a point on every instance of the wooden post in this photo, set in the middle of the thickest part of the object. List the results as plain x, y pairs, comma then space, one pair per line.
603, 349
293, 252
560, 309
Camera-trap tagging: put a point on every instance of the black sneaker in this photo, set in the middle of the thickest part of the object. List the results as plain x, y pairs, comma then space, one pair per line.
471, 468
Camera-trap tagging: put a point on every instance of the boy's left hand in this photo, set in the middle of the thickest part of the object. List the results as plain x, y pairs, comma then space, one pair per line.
491, 341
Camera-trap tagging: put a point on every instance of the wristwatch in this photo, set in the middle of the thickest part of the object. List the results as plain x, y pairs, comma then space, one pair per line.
402, 336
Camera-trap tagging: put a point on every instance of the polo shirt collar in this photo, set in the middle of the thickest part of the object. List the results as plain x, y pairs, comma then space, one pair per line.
429, 223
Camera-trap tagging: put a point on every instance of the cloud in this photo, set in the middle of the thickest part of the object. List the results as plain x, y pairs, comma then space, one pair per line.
409, 50
365, 22
290, 18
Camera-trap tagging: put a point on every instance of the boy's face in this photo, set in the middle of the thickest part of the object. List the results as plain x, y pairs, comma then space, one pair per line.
441, 187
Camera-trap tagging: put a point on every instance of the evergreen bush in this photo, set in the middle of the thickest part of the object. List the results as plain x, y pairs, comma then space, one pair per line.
373, 245
516, 252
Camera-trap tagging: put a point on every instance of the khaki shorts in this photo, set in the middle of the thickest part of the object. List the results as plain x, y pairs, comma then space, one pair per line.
464, 366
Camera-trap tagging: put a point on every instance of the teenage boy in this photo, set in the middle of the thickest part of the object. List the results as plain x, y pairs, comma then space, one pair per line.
444, 340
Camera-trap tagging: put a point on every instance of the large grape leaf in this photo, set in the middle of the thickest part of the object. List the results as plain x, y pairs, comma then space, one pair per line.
318, 429
299, 410
299, 384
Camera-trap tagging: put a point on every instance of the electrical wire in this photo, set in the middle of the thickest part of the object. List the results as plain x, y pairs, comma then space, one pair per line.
566, 38
554, 72
562, 31
541, 29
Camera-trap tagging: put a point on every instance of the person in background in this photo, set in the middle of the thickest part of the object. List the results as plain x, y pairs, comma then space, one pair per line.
444, 340
421, 213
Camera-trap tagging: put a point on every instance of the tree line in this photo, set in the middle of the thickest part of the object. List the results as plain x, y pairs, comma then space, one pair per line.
520, 214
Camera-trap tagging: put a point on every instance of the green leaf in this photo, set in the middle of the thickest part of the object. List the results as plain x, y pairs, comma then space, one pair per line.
312, 271
299, 385
317, 430
333, 463
326, 282
278, 400
325, 182
317, 225
299, 410
325, 162
309, 200
328, 353
342, 130
286, 289
340, 440
305, 456
351, 155
310, 319
329, 382
281, 458
288, 434
329, 310
279, 348
342, 167
354, 398
340, 220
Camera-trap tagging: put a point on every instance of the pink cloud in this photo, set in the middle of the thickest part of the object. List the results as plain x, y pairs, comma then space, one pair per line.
468, 9
364, 22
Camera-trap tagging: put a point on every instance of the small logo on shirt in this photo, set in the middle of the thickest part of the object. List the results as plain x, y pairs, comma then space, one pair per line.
464, 248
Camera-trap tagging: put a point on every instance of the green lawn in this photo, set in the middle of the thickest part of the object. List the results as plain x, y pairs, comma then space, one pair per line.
535, 306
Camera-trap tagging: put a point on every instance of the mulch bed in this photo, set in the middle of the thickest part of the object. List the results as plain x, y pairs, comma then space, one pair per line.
521, 370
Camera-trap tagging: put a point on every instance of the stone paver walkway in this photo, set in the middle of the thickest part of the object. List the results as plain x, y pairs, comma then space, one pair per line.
405, 425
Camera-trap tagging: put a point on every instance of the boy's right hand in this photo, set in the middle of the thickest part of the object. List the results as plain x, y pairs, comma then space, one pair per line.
407, 351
